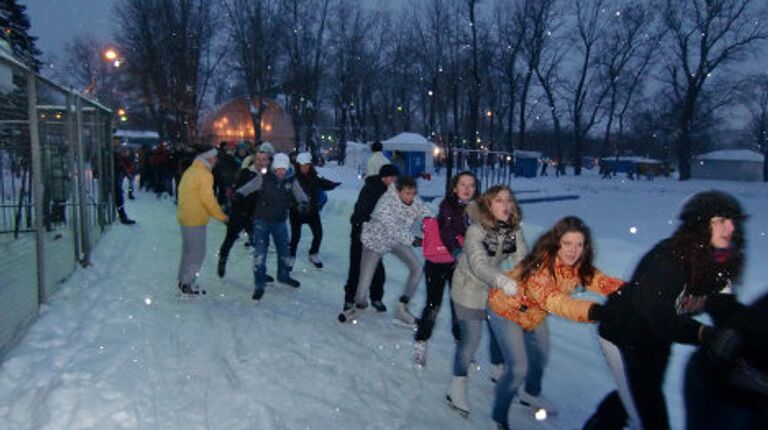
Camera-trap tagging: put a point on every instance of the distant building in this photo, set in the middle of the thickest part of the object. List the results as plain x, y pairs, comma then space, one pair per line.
730, 164
137, 138
231, 122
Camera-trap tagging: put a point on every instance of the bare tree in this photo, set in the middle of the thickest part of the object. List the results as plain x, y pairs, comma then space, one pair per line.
705, 36
510, 45
169, 56
536, 21
256, 30
348, 50
627, 52
753, 95
588, 91
306, 22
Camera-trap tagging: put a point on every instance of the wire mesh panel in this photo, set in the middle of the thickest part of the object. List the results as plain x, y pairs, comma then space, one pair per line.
18, 255
55, 189
57, 169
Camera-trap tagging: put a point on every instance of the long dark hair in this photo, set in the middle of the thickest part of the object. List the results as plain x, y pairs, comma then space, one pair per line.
691, 243
455, 181
548, 244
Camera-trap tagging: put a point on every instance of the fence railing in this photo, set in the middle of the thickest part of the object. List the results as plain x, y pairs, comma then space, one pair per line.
56, 188
490, 167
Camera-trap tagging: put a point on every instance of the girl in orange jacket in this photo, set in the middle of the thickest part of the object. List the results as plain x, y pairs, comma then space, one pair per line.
560, 262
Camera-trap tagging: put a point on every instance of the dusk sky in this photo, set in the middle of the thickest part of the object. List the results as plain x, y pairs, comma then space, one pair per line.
55, 22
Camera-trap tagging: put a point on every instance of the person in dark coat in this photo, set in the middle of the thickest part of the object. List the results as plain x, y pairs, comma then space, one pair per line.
672, 283
726, 383
375, 186
276, 195
241, 212
314, 187
120, 174
453, 223
224, 177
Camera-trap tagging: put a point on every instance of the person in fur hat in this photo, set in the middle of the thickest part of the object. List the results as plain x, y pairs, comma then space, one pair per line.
681, 277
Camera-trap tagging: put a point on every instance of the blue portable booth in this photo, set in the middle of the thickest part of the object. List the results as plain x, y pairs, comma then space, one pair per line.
412, 153
526, 163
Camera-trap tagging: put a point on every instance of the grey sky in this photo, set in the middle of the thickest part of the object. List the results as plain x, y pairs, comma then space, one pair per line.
55, 22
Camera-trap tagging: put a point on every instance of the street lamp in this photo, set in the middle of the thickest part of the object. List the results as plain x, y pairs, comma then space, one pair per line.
113, 57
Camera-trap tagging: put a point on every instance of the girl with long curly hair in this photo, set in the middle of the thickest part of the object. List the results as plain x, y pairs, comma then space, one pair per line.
561, 261
684, 275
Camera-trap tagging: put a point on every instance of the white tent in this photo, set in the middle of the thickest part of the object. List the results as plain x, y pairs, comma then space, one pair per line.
731, 164
414, 144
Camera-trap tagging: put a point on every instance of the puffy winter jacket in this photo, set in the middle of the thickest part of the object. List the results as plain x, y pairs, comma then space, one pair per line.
375, 161
372, 191
275, 197
486, 246
391, 222
196, 201
655, 307
542, 294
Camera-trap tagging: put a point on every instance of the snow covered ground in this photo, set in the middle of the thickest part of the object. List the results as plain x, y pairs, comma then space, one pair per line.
115, 348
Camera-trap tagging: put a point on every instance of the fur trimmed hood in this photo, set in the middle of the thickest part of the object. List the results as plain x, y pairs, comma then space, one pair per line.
477, 215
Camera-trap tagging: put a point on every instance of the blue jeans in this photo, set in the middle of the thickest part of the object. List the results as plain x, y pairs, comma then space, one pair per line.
261, 232
525, 355
470, 334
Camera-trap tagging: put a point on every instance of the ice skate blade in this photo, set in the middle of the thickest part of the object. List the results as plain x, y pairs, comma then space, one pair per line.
462, 412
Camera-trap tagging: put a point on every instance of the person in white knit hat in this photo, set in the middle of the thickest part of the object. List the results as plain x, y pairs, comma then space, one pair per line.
276, 195
314, 187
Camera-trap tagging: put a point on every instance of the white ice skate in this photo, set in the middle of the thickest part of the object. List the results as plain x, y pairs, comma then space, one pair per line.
540, 406
403, 317
420, 352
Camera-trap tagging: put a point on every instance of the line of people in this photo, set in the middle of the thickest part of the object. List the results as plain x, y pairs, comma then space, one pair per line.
267, 189
467, 244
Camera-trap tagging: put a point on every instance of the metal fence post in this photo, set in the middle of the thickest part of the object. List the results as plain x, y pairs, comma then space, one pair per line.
74, 173
37, 184
84, 220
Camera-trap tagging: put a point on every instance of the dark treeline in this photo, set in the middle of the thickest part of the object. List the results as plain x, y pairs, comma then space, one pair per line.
567, 77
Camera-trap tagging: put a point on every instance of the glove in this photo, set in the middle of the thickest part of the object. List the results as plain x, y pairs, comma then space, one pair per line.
507, 284
598, 312
722, 343
416, 242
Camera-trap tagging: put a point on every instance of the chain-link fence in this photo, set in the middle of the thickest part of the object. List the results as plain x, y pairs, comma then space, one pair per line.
56, 188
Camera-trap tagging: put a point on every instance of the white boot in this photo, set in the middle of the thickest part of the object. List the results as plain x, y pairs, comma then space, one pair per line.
535, 402
315, 260
458, 396
403, 316
420, 352
496, 372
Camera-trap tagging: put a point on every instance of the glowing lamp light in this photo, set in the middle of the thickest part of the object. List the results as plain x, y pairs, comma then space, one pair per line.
489, 113
633, 230
540, 415
121, 112
436, 151
110, 54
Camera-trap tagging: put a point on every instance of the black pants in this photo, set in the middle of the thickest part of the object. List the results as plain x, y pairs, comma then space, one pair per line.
297, 220
355, 251
237, 223
644, 373
437, 274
